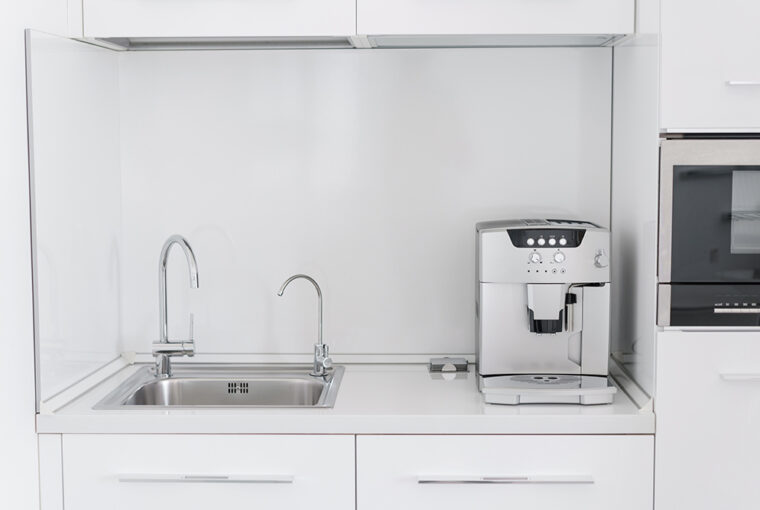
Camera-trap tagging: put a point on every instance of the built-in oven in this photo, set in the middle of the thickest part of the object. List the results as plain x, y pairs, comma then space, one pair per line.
709, 233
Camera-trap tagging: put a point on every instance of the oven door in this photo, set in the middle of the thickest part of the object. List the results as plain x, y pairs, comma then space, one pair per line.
710, 211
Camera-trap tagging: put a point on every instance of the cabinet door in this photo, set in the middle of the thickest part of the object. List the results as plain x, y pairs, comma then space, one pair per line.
229, 18
434, 17
499, 472
201, 472
708, 421
710, 65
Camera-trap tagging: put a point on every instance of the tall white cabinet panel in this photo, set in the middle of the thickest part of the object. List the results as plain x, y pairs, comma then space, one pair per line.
710, 65
498, 472
201, 472
708, 421
433, 17
228, 18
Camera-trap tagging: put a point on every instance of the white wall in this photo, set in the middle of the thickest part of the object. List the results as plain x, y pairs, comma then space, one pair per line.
635, 195
18, 458
77, 208
365, 169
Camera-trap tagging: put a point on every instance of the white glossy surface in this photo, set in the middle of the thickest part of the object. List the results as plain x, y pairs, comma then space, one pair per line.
18, 442
707, 460
635, 186
495, 17
366, 170
77, 190
696, 68
372, 399
220, 18
615, 471
95, 467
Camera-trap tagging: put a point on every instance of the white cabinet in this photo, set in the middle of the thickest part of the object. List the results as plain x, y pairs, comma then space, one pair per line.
497, 472
708, 421
710, 65
200, 472
434, 17
227, 18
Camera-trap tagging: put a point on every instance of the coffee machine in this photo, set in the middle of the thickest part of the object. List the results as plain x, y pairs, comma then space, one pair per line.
543, 312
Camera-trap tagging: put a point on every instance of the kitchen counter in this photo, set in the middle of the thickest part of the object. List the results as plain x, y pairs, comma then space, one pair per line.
373, 399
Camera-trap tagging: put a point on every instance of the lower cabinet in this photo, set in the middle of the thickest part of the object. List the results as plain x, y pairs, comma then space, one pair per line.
498, 472
708, 420
201, 472
342, 472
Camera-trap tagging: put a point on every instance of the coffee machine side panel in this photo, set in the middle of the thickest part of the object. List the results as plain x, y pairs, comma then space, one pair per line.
595, 351
505, 343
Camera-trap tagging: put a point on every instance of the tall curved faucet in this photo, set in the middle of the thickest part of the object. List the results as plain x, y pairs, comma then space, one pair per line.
322, 360
164, 349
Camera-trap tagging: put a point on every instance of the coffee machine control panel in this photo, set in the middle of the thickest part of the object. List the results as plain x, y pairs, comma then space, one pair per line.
546, 238
542, 251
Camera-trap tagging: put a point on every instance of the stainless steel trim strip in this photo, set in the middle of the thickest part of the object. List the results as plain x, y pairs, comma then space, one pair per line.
516, 480
664, 297
183, 478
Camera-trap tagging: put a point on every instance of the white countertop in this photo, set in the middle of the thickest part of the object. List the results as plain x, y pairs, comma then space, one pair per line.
373, 399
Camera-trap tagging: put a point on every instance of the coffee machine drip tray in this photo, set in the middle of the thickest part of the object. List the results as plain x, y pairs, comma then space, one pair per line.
546, 389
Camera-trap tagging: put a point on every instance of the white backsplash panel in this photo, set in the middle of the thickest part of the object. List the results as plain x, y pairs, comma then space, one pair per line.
76, 195
364, 169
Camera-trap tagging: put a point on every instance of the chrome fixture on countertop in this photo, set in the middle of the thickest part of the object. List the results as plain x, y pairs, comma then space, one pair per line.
322, 360
163, 350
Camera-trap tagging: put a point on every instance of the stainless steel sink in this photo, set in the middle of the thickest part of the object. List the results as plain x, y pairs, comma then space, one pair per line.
218, 385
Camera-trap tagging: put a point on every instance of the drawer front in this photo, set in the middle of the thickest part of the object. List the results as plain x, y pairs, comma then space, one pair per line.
708, 420
710, 65
498, 472
230, 18
432, 17
200, 472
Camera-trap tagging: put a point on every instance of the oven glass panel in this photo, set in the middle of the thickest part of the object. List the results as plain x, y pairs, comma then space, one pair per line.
716, 224
745, 212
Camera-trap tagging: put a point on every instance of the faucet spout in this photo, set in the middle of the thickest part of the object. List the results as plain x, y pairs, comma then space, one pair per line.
322, 360
163, 367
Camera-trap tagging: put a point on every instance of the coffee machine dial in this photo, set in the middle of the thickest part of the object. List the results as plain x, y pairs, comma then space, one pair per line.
535, 257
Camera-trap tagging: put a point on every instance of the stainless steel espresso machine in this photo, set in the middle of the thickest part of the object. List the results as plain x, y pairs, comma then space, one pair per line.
543, 312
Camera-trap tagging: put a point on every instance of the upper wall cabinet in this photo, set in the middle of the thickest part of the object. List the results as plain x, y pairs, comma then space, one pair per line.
486, 17
218, 18
710, 65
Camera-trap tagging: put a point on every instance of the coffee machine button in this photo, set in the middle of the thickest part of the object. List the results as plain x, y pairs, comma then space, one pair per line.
559, 257
530, 241
535, 257
552, 241
562, 241
541, 241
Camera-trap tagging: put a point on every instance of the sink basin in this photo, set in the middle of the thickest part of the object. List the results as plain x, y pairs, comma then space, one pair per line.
217, 385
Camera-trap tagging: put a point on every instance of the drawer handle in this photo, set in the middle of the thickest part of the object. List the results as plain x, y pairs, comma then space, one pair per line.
740, 83
516, 480
180, 478
734, 376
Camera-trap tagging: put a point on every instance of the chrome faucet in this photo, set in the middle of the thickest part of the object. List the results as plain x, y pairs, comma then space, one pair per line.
322, 360
163, 350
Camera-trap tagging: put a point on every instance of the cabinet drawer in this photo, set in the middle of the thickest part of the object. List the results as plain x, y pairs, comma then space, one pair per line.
433, 17
229, 18
708, 418
710, 65
537, 472
205, 471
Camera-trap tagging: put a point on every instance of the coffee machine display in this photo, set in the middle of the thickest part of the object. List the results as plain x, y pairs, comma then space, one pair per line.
543, 312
